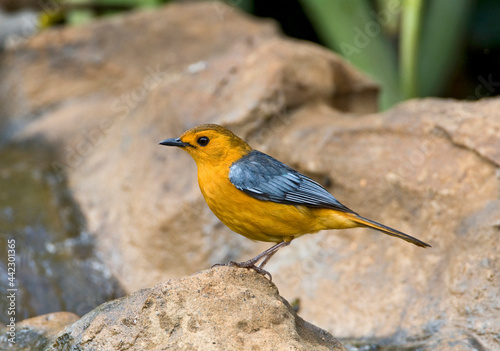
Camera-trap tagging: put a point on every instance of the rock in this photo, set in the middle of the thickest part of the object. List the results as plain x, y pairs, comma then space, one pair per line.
428, 167
43, 233
85, 64
219, 309
36, 333
16, 27
188, 76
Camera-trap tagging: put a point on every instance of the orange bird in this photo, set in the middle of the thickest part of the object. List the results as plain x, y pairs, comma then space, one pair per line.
260, 197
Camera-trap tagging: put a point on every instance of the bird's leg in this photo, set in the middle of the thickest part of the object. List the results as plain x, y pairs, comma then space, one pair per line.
266, 256
266, 259
271, 254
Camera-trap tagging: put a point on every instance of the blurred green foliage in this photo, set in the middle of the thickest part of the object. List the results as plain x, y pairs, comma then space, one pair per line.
412, 48
77, 12
408, 46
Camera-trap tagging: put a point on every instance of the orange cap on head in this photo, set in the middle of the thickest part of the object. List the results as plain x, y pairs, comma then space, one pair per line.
210, 143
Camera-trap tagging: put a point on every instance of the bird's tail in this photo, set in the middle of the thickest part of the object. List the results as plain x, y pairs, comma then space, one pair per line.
385, 229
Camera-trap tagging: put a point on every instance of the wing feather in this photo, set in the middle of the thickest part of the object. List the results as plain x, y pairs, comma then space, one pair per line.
265, 178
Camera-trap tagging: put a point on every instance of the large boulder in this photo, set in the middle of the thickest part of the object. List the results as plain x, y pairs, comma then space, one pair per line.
219, 309
428, 167
104, 115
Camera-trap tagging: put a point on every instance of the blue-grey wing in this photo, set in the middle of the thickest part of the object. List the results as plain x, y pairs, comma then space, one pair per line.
268, 179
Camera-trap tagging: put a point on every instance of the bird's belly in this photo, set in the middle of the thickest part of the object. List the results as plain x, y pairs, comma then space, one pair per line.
266, 223
257, 219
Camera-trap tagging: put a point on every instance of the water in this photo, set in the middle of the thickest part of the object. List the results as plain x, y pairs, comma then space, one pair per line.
56, 265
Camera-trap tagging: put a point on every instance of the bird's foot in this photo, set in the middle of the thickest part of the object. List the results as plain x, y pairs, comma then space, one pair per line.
247, 264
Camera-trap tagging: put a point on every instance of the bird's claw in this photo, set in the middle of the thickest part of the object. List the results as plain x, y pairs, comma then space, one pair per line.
246, 265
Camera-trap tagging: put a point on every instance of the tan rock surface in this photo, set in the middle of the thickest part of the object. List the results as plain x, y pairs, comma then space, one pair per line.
220, 309
426, 167
50, 324
105, 113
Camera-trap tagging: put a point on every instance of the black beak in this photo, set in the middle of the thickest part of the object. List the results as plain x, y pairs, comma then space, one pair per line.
173, 142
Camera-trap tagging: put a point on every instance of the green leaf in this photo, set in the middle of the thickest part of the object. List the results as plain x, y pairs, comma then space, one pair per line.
442, 38
352, 29
409, 47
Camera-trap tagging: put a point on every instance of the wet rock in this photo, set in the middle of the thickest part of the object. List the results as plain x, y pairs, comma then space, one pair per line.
16, 27
51, 260
36, 333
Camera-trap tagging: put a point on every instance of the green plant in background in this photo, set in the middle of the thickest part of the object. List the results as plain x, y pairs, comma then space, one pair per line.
76, 12
429, 34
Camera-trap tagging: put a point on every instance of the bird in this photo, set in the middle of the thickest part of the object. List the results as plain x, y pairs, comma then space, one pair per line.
261, 198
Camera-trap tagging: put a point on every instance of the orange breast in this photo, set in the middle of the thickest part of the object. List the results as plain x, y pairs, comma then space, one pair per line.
250, 217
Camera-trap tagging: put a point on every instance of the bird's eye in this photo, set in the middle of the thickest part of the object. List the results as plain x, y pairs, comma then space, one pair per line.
203, 141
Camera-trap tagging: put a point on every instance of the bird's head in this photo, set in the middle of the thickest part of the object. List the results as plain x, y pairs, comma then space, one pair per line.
210, 144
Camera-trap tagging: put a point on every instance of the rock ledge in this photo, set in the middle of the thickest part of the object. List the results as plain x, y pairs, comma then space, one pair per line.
218, 309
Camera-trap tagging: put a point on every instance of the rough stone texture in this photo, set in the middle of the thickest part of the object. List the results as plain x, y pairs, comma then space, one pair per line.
428, 167
220, 309
103, 114
38, 332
